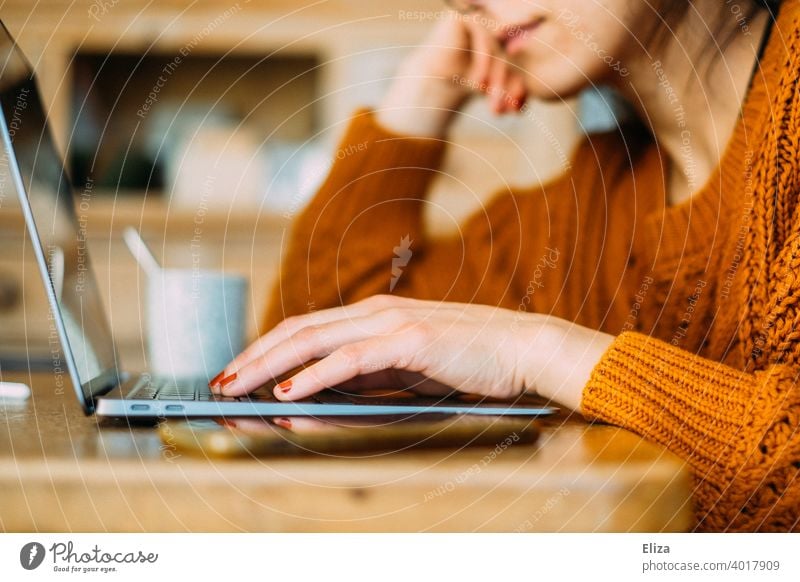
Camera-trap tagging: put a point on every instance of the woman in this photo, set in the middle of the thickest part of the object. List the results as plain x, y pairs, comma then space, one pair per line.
654, 285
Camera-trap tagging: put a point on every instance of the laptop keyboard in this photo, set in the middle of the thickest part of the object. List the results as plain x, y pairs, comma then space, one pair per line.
154, 388
148, 388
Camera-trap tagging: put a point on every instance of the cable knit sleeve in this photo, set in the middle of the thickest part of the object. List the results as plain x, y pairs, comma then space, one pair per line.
739, 432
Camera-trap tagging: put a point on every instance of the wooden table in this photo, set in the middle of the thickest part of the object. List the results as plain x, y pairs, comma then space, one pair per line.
62, 471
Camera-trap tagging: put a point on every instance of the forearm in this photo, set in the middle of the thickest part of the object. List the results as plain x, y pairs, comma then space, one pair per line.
418, 106
559, 357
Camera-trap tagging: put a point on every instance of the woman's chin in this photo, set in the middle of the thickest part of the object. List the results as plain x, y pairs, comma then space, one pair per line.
557, 90
561, 78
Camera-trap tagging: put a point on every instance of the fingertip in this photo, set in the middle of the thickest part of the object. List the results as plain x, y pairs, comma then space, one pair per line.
281, 395
215, 380
233, 386
230, 391
283, 422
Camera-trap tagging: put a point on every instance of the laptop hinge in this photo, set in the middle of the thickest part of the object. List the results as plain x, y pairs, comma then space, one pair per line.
102, 383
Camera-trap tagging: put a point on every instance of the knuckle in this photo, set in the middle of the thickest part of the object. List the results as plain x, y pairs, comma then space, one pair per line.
307, 334
290, 323
396, 317
262, 364
381, 301
352, 356
419, 335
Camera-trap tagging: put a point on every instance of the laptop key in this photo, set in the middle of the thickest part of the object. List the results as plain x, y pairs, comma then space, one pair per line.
163, 396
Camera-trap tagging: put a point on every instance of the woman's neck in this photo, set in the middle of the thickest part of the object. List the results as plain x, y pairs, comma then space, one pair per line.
691, 98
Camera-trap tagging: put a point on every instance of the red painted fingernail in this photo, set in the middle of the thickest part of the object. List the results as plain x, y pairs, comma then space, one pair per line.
227, 380
216, 378
285, 386
284, 422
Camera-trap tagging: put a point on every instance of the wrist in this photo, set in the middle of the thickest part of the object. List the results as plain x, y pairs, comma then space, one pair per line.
561, 358
420, 105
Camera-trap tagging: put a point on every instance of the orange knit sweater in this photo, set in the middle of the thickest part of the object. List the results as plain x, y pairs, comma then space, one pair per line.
703, 297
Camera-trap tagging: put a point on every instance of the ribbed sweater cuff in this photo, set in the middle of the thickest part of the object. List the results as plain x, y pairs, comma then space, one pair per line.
693, 405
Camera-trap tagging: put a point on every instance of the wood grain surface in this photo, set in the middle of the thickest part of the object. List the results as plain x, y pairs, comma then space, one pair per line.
62, 471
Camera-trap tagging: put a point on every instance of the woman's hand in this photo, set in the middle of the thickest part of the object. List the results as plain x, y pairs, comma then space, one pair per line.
459, 58
425, 346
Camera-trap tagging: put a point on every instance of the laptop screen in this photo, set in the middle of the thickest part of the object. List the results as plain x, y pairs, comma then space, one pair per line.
53, 221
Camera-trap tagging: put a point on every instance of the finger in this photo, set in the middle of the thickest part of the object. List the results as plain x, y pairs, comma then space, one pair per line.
292, 325
262, 426
481, 51
497, 85
255, 426
517, 92
395, 384
311, 343
303, 424
351, 361
385, 382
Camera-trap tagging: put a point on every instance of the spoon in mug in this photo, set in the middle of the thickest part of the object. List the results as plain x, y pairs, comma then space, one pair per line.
141, 251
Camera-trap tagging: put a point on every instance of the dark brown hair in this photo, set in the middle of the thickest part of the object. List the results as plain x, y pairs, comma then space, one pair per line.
672, 13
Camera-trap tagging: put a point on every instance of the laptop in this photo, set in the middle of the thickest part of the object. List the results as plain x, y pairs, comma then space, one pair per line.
101, 384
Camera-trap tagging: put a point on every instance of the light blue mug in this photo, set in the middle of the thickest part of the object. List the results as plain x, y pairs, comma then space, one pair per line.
196, 321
